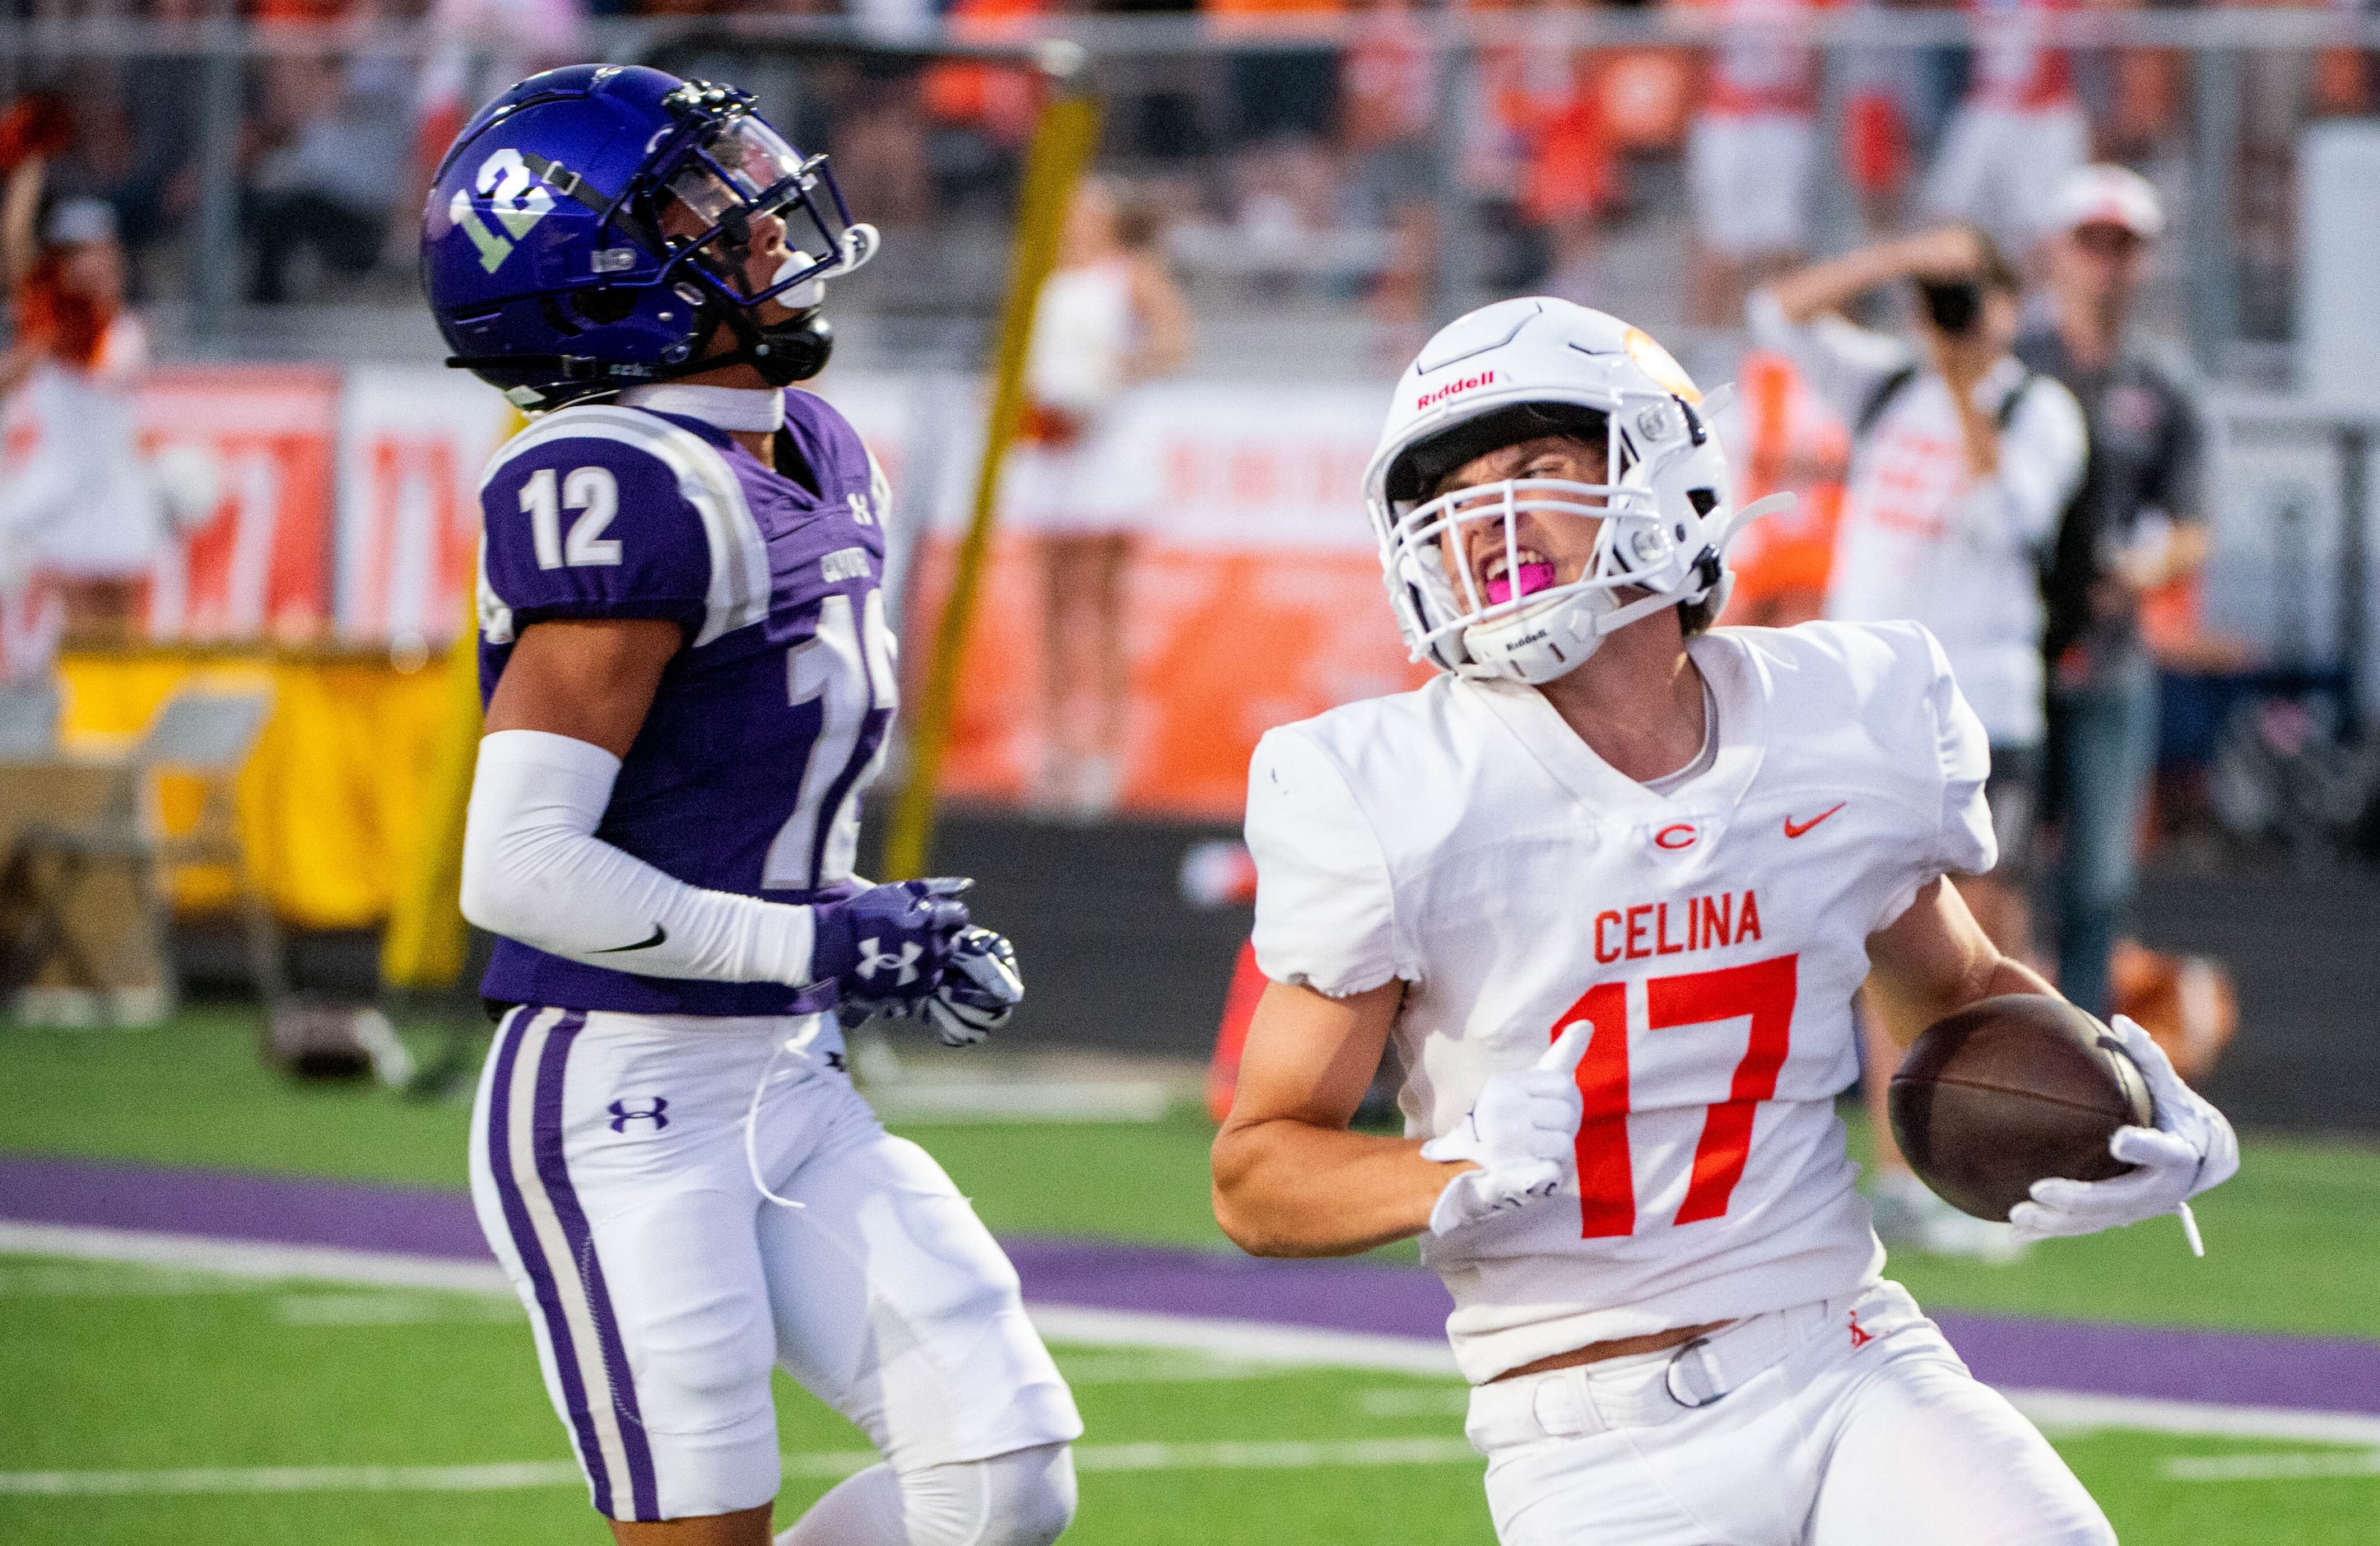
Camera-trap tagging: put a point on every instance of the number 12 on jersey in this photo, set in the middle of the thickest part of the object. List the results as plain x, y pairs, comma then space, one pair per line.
1762, 990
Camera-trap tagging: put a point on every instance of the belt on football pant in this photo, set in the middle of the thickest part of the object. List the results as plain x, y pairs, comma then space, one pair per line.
1643, 1392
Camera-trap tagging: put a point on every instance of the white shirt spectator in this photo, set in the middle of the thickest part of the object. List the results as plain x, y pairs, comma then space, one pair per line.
1921, 536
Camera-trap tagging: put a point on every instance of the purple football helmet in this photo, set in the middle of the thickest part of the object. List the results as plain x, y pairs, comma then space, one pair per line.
597, 225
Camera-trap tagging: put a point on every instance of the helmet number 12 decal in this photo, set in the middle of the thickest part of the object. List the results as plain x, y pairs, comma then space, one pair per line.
515, 197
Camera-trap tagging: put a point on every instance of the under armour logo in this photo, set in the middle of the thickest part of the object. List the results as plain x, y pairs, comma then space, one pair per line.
623, 1114
874, 957
1859, 1338
834, 1060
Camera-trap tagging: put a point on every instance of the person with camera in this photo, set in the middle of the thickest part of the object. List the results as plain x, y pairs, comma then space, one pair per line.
1963, 461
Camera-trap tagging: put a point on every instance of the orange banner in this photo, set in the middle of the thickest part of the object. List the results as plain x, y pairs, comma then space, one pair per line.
1220, 646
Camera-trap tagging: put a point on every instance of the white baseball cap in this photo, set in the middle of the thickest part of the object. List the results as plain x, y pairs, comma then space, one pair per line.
2108, 195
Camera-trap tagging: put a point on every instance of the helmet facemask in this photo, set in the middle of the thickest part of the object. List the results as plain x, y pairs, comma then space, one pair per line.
727, 172
734, 169
1503, 607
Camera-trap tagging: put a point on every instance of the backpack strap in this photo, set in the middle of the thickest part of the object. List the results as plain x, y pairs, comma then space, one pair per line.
2007, 414
1870, 412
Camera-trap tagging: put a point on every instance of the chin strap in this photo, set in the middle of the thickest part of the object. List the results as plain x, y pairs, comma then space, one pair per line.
782, 354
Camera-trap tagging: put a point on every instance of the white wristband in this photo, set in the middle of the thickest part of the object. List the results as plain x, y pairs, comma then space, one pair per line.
533, 871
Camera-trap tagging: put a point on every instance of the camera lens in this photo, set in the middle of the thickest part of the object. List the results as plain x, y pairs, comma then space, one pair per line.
1953, 307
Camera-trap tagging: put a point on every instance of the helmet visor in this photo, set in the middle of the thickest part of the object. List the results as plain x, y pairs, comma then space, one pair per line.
738, 173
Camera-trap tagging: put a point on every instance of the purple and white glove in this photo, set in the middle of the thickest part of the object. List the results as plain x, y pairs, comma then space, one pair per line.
978, 990
1523, 1134
2191, 1148
885, 947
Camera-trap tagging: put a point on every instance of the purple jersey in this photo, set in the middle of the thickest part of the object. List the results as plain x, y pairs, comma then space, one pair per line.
772, 720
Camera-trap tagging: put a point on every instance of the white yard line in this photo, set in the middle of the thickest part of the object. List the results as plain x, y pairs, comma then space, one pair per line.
1290, 1455
253, 1259
2070, 1412
1242, 1342
2273, 1467
1245, 1341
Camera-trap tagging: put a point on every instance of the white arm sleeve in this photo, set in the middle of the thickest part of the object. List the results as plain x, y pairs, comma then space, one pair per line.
534, 871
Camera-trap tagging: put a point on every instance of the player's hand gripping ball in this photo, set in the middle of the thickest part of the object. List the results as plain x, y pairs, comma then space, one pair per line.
885, 947
2191, 1148
2026, 1109
979, 990
1523, 1134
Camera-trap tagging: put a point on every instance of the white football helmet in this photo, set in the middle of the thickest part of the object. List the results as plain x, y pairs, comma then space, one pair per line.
1509, 372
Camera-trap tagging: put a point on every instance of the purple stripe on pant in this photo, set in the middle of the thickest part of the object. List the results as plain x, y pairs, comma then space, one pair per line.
554, 1179
551, 1168
532, 1254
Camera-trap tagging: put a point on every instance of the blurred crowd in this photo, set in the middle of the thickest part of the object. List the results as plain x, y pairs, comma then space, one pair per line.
1307, 170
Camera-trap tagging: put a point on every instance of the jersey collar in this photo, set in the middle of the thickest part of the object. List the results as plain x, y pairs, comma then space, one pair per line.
1737, 689
745, 408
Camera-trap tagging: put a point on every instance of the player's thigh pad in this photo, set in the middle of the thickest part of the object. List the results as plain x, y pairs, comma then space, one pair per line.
1607, 1490
628, 1230
895, 1306
1923, 1450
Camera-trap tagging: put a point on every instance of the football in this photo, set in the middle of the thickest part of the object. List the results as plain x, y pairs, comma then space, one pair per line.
2010, 1090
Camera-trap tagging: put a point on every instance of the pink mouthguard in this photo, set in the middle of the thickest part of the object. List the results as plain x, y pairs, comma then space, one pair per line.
1533, 578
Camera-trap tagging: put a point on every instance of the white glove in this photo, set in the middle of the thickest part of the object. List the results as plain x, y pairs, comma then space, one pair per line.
2191, 1148
1522, 1133
978, 990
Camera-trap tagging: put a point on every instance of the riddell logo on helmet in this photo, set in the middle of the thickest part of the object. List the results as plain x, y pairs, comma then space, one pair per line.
1450, 388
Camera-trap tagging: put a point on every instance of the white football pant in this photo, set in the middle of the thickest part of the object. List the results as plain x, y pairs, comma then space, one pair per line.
609, 1169
1848, 1422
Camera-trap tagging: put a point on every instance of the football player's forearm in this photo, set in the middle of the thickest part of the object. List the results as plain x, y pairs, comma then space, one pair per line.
1934, 961
533, 871
1286, 1187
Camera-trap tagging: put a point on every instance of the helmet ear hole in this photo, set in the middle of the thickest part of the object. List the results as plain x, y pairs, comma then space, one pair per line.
605, 306
1704, 500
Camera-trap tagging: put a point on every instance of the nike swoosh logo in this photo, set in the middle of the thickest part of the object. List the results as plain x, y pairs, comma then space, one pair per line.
1794, 829
661, 933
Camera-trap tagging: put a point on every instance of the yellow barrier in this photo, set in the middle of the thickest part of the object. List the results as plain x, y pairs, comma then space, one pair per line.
335, 803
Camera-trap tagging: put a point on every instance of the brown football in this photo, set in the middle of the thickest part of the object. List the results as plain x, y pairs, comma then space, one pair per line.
2007, 1092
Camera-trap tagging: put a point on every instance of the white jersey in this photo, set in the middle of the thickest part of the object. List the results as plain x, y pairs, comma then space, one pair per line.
1462, 838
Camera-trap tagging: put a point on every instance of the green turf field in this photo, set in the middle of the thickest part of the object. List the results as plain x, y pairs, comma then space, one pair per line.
2293, 1243
133, 1372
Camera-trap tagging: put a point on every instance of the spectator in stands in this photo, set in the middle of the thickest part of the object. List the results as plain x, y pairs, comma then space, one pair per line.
1750, 156
1388, 110
2019, 131
82, 505
1539, 157
2134, 526
1109, 318
337, 129
1963, 461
